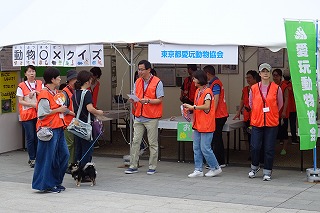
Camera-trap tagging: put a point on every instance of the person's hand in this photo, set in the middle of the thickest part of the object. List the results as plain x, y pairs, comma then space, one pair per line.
187, 106
237, 116
144, 101
62, 109
99, 112
131, 100
283, 114
31, 94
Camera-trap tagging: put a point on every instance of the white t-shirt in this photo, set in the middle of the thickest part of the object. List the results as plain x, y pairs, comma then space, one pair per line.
19, 90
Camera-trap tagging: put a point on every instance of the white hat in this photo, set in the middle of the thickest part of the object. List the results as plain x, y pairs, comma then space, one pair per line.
265, 66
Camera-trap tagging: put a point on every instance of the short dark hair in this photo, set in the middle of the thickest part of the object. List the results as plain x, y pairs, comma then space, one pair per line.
31, 67
193, 67
96, 71
279, 71
82, 78
49, 74
147, 64
201, 76
210, 69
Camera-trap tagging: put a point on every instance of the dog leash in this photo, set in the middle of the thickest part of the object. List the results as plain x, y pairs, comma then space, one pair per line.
91, 146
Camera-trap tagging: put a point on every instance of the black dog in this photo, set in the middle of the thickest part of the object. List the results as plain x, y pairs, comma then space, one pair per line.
81, 174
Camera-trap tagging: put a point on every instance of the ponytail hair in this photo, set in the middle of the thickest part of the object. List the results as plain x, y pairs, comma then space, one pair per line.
82, 78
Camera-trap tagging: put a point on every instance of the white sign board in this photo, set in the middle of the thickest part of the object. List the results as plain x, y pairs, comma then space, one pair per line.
192, 54
58, 55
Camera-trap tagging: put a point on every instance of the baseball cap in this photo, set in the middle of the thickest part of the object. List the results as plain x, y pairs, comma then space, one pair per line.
265, 66
71, 74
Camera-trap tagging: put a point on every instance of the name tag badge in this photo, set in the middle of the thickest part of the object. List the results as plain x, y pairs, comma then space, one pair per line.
266, 109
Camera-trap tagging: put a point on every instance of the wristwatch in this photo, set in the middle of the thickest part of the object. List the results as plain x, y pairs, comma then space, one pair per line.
194, 107
148, 101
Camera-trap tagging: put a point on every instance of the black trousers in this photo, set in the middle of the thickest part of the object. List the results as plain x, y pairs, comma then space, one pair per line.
217, 141
293, 126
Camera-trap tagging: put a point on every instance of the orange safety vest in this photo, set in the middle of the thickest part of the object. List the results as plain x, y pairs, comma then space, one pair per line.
283, 85
29, 113
68, 117
53, 120
258, 117
204, 121
245, 99
95, 92
147, 110
222, 110
291, 101
189, 86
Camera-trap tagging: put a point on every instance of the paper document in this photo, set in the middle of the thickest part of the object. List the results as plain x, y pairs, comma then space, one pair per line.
133, 97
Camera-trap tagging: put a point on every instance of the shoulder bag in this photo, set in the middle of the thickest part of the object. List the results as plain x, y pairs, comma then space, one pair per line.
78, 127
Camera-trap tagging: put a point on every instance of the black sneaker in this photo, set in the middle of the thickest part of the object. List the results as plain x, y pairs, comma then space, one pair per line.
32, 163
62, 188
53, 190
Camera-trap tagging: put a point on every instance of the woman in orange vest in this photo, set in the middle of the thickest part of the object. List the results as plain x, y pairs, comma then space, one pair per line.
188, 89
53, 155
203, 126
27, 92
265, 100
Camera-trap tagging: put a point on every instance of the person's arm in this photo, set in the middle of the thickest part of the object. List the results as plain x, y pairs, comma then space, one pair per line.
205, 106
159, 93
25, 103
216, 93
240, 109
280, 99
44, 109
93, 110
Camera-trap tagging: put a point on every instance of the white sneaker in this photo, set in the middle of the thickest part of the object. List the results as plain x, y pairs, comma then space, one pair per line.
196, 173
223, 165
266, 177
213, 173
253, 172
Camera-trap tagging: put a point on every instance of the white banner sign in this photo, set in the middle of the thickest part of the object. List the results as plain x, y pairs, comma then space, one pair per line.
58, 55
192, 54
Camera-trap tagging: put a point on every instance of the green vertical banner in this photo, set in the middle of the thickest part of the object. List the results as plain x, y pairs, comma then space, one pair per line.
184, 132
301, 46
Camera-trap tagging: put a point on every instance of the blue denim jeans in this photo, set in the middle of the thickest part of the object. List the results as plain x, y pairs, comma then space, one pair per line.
31, 137
266, 136
82, 146
52, 161
202, 148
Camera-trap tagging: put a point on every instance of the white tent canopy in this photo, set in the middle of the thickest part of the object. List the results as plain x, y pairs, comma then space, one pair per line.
207, 22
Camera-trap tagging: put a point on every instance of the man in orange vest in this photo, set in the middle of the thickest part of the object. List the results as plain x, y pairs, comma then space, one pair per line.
147, 112
268, 100
251, 77
188, 89
221, 113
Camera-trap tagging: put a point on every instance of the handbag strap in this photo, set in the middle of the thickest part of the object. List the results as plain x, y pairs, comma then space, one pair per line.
80, 107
